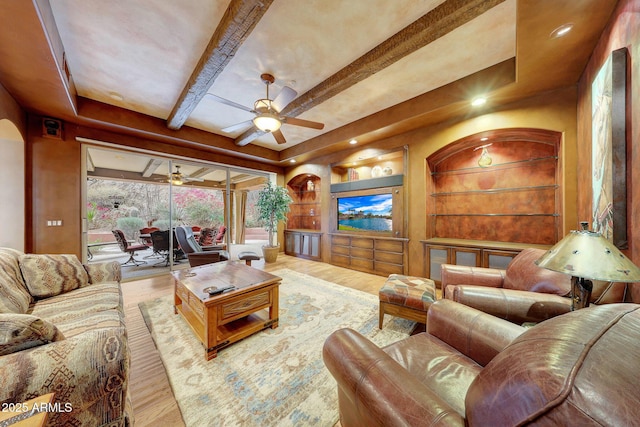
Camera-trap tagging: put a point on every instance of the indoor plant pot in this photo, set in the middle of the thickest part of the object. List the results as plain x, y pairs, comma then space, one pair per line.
273, 205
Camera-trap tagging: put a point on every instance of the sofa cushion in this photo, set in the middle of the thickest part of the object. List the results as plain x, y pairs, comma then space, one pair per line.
14, 296
579, 368
49, 275
22, 331
100, 272
524, 275
79, 303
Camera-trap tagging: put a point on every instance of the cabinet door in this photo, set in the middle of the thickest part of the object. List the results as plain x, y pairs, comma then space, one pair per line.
288, 243
466, 256
497, 259
315, 245
435, 257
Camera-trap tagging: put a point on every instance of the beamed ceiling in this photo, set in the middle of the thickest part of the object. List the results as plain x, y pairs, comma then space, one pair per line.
172, 71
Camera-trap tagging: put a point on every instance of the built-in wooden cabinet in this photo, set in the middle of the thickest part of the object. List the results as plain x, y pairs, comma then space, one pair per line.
304, 212
474, 253
303, 244
377, 255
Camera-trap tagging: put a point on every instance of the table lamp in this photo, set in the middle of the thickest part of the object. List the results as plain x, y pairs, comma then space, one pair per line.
586, 256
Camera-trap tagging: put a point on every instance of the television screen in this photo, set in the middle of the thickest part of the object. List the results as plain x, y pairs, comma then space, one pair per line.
365, 213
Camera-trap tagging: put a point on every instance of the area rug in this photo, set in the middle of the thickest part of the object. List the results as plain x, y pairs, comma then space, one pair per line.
275, 377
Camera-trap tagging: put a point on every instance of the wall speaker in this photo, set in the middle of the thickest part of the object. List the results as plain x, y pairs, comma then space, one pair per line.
51, 128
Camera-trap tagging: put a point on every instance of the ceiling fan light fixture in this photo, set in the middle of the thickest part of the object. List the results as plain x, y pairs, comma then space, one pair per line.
267, 122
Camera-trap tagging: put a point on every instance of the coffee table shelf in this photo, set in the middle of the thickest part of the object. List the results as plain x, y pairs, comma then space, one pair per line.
223, 319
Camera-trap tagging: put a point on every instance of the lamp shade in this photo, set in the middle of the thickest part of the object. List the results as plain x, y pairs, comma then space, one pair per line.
267, 122
589, 255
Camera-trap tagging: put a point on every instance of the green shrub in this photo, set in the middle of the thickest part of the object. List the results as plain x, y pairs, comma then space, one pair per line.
130, 226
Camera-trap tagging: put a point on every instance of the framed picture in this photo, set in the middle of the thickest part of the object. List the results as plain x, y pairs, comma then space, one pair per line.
609, 145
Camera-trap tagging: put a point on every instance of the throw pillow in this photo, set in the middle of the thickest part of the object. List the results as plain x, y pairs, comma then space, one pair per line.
50, 275
206, 236
14, 296
22, 331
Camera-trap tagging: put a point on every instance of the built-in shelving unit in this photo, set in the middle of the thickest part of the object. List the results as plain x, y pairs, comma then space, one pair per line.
501, 186
305, 211
362, 178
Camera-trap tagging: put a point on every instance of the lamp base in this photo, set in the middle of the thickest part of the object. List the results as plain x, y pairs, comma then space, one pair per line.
580, 292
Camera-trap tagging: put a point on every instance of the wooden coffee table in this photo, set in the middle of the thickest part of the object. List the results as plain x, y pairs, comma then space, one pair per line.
221, 320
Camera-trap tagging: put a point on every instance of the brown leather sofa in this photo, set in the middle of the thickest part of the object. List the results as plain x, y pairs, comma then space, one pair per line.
473, 369
523, 292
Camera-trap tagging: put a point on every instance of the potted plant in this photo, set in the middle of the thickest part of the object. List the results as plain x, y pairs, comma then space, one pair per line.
273, 205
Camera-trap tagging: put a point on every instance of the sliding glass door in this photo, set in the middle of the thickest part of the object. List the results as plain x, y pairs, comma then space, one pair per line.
145, 196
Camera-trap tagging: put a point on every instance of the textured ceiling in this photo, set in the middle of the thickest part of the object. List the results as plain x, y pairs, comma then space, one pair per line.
145, 52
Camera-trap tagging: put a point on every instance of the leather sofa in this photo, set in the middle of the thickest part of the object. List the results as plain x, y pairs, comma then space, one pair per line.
523, 292
473, 369
62, 330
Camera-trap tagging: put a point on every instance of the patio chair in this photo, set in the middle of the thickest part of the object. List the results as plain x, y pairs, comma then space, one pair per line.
129, 248
161, 246
198, 255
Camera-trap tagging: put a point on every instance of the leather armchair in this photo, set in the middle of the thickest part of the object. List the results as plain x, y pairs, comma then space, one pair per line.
472, 369
198, 255
523, 292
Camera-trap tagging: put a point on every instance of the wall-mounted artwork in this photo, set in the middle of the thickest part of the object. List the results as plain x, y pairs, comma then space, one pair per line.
608, 133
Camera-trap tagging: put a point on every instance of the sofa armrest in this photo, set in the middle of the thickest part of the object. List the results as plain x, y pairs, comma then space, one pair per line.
513, 305
463, 275
87, 372
104, 272
373, 389
473, 333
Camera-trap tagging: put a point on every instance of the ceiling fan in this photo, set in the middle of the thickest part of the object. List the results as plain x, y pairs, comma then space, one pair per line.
178, 178
267, 115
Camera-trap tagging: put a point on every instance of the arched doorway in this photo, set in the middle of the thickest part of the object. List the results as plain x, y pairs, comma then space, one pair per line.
12, 191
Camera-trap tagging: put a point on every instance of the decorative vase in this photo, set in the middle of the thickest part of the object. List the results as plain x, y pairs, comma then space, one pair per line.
270, 253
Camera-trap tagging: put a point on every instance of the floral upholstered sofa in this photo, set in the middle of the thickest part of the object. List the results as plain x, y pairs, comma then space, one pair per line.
62, 330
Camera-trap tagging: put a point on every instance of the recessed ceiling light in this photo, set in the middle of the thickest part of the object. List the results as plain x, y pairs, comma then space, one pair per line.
484, 138
292, 161
561, 30
478, 101
116, 96
353, 142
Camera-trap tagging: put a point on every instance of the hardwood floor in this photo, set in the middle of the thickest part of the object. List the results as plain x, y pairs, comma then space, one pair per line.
152, 398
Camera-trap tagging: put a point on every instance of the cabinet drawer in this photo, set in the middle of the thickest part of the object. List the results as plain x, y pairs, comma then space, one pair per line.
359, 242
182, 292
362, 253
244, 307
391, 257
196, 305
342, 250
342, 260
340, 240
360, 263
389, 245
387, 268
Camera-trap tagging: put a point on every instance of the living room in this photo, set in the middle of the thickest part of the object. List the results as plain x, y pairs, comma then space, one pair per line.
545, 85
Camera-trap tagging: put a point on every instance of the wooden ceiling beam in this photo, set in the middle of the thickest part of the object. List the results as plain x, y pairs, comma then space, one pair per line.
151, 167
436, 23
235, 26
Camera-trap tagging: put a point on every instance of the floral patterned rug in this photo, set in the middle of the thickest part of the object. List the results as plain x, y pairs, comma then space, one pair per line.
275, 377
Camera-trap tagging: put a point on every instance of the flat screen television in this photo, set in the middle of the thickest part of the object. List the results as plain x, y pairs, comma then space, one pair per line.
365, 213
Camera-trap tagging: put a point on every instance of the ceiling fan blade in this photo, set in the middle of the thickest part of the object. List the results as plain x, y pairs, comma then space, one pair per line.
304, 123
249, 136
190, 178
237, 126
283, 99
279, 137
230, 103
